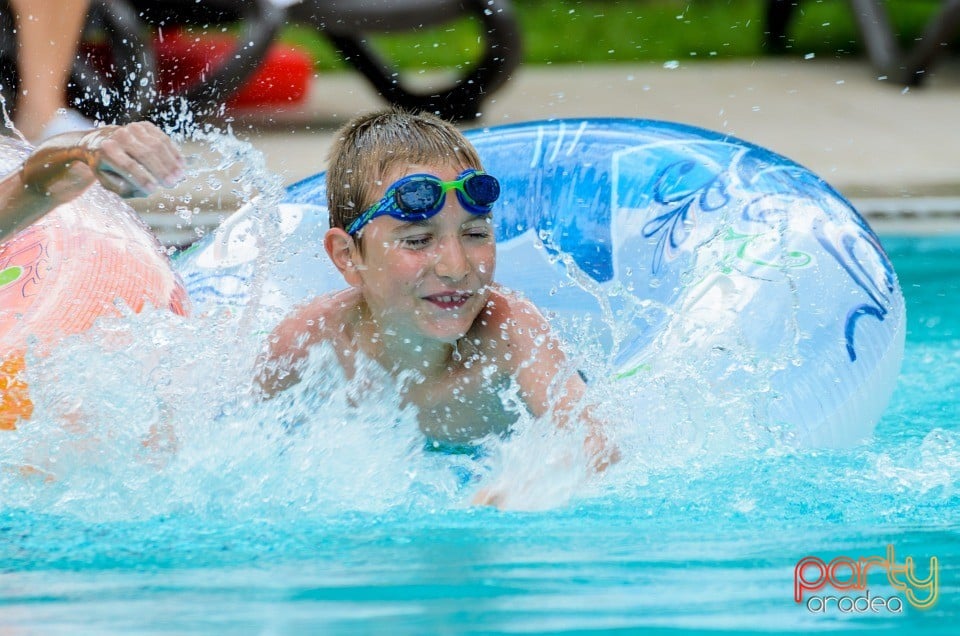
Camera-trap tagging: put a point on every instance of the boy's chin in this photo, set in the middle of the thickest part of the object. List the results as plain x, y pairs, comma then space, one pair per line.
447, 336
448, 331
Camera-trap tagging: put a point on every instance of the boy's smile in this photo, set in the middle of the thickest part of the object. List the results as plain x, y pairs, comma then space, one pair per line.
427, 279
451, 300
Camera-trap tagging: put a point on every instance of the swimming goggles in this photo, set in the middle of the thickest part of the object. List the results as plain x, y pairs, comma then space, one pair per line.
420, 196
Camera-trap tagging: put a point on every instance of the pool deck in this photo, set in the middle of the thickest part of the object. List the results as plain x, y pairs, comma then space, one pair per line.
894, 152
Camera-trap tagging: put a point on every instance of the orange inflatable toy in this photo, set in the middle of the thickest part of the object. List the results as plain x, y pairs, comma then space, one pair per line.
64, 272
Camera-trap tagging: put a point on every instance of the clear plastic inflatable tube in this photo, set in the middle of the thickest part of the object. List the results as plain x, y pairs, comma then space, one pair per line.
666, 243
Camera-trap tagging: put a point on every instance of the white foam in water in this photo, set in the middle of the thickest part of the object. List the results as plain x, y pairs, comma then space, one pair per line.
133, 432
933, 465
155, 414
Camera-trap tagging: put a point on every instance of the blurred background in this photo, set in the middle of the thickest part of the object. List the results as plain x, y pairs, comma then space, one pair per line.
601, 31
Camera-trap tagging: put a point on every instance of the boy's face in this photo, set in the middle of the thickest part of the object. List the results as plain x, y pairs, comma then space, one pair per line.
428, 278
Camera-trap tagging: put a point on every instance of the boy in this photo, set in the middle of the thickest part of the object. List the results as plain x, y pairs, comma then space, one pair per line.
411, 233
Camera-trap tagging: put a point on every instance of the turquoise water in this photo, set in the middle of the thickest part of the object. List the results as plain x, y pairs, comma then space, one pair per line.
254, 531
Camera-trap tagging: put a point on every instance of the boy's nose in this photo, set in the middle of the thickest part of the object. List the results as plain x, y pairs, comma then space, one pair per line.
452, 262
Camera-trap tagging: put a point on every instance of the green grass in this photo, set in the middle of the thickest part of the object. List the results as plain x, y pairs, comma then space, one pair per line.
597, 31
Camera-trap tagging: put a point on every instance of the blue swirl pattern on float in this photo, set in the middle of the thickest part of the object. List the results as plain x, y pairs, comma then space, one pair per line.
676, 177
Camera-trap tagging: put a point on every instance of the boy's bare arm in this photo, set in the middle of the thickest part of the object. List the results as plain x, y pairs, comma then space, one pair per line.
286, 346
320, 320
539, 367
548, 386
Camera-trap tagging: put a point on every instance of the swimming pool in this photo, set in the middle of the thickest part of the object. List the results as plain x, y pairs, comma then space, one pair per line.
251, 533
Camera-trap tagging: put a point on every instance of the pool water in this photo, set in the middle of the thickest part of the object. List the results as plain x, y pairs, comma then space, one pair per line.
255, 530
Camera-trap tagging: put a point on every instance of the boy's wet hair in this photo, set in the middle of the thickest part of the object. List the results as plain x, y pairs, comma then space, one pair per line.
367, 147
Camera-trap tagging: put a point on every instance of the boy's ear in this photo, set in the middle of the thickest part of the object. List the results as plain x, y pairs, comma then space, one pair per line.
343, 252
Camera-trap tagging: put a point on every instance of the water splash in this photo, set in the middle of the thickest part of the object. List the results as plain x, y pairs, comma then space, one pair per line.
131, 431
152, 415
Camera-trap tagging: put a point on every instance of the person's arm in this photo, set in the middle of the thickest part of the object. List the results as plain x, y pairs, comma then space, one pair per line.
288, 345
548, 386
132, 160
277, 367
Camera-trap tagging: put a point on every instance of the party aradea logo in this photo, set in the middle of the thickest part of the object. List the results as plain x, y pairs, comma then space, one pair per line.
812, 577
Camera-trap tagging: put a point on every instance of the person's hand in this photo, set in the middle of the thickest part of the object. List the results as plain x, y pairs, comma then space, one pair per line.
132, 160
558, 473
488, 497
601, 451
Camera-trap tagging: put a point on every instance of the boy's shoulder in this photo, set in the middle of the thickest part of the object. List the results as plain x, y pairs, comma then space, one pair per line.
322, 318
508, 310
512, 322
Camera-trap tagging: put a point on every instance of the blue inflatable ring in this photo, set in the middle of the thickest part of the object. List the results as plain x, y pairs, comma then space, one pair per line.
660, 240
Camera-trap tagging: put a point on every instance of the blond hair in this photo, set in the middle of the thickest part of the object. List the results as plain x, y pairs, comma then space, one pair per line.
368, 146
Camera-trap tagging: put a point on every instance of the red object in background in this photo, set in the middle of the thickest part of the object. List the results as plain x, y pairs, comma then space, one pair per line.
281, 79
